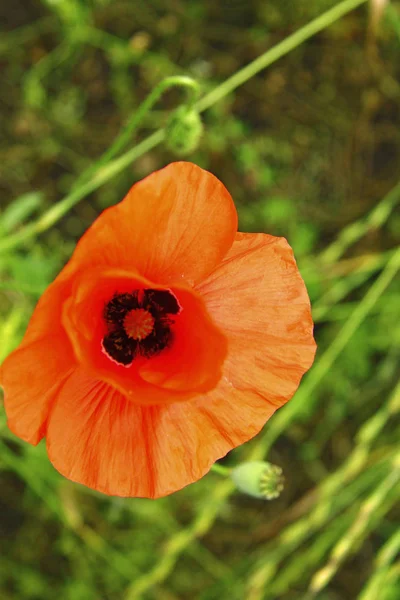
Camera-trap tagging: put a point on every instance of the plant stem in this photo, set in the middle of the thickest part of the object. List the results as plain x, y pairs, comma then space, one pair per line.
190, 85
355, 231
275, 53
386, 556
116, 166
358, 530
56, 212
221, 470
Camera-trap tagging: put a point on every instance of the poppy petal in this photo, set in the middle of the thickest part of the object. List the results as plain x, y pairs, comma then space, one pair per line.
100, 439
259, 298
195, 360
176, 224
32, 374
41, 366
191, 365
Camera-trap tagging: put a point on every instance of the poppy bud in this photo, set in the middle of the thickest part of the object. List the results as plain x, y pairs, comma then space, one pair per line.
184, 130
258, 479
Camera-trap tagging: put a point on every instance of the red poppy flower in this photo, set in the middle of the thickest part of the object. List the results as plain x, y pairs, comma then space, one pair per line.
167, 340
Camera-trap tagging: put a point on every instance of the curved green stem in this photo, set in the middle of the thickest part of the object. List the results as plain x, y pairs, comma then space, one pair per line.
221, 470
192, 89
116, 166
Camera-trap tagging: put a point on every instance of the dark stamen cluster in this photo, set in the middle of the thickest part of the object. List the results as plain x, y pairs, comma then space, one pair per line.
122, 348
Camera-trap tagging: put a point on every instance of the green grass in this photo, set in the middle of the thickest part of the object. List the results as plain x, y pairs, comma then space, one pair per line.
309, 147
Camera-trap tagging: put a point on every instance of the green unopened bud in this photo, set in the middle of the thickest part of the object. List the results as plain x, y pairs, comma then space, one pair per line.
184, 130
258, 479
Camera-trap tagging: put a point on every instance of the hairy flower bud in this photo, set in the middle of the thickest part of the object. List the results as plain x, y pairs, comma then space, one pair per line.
184, 130
258, 479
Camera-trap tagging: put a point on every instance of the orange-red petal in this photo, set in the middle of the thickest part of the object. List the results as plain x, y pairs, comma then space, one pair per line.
98, 438
259, 299
192, 365
195, 360
175, 225
31, 377
32, 374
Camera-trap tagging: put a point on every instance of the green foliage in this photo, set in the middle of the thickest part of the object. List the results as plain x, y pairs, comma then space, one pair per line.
309, 149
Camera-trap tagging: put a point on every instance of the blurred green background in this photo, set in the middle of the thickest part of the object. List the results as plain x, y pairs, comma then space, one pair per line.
309, 149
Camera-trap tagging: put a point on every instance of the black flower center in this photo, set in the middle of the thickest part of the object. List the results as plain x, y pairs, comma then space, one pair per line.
138, 324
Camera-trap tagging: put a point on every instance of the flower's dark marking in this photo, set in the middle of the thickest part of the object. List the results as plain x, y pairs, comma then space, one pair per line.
122, 348
119, 305
161, 302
